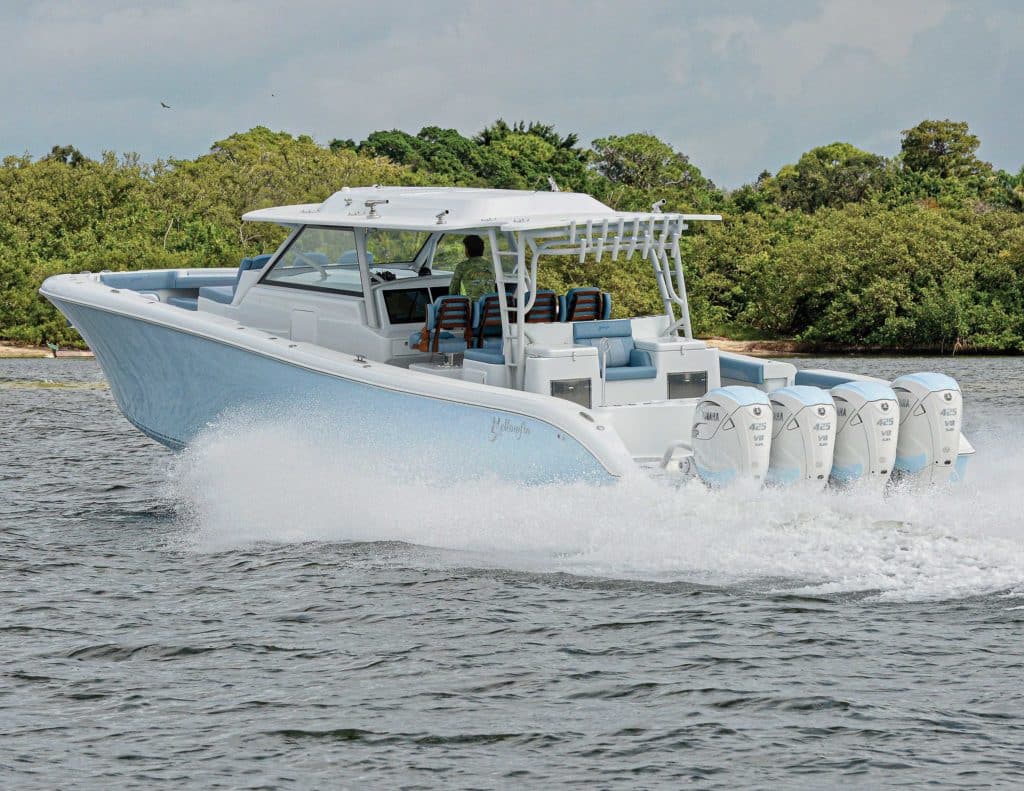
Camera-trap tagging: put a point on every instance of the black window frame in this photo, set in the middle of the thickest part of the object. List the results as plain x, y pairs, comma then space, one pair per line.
387, 307
433, 292
301, 286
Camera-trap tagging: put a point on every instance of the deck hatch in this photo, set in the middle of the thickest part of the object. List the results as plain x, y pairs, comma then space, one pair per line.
687, 384
575, 390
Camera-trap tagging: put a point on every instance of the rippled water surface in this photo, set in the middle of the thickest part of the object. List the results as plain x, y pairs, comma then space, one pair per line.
274, 609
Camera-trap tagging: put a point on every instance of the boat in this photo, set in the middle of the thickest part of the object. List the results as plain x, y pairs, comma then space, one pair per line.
352, 319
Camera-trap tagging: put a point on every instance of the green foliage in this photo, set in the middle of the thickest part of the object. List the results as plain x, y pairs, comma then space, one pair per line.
521, 156
842, 247
69, 214
915, 277
642, 169
832, 175
945, 148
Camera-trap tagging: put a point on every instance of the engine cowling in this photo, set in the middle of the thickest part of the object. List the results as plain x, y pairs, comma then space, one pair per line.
732, 429
931, 414
803, 437
867, 426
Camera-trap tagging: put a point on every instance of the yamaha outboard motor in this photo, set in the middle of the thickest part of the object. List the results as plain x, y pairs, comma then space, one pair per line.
803, 436
732, 430
931, 412
868, 422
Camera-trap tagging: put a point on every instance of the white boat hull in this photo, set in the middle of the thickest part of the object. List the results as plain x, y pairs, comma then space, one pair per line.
173, 381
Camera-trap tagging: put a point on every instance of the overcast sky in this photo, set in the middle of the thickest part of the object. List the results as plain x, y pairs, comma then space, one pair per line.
740, 87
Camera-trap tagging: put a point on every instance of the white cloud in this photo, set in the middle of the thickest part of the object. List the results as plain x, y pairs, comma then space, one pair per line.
787, 56
737, 91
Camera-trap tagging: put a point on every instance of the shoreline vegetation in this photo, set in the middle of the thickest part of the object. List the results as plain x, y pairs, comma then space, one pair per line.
754, 348
843, 251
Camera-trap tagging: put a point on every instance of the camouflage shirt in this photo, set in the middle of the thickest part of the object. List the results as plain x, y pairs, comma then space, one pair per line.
473, 278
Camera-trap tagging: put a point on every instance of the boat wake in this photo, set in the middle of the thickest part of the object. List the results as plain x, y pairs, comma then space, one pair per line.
249, 481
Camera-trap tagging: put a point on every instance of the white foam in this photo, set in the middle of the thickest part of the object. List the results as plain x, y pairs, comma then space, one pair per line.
251, 481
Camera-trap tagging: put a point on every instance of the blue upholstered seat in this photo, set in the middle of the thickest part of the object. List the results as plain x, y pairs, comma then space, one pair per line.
225, 295
487, 321
545, 308
448, 319
447, 342
185, 303
585, 304
614, 341
822, 379
638, 367
222, 294
742, 370
215, 286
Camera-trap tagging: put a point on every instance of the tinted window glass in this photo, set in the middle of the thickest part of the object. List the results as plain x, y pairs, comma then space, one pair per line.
450, 251
394, 247
407, 306
322, 259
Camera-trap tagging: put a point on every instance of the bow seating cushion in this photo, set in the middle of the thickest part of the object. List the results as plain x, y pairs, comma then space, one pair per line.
185, 303
615, 340
222, 294
167, 279
226, 294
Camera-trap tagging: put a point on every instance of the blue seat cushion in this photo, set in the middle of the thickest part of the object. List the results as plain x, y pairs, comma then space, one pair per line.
256, 263
165, 279
743, 370
565, 301
447, 342
545, 308
614, 328
450, 345
491, 356
824, 379
612, 339
613, 351
630, 372
139, 281
221, 294
456, 310
187, 303
194, 279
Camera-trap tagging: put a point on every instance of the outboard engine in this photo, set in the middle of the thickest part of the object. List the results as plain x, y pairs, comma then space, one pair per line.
732, 430
867, 416
931, 412
803, 437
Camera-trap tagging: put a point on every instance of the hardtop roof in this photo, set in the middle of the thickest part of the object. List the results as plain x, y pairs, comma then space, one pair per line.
449, 208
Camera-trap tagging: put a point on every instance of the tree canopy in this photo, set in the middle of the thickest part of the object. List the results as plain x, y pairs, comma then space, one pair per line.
831, 175
842, 247
944, 148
